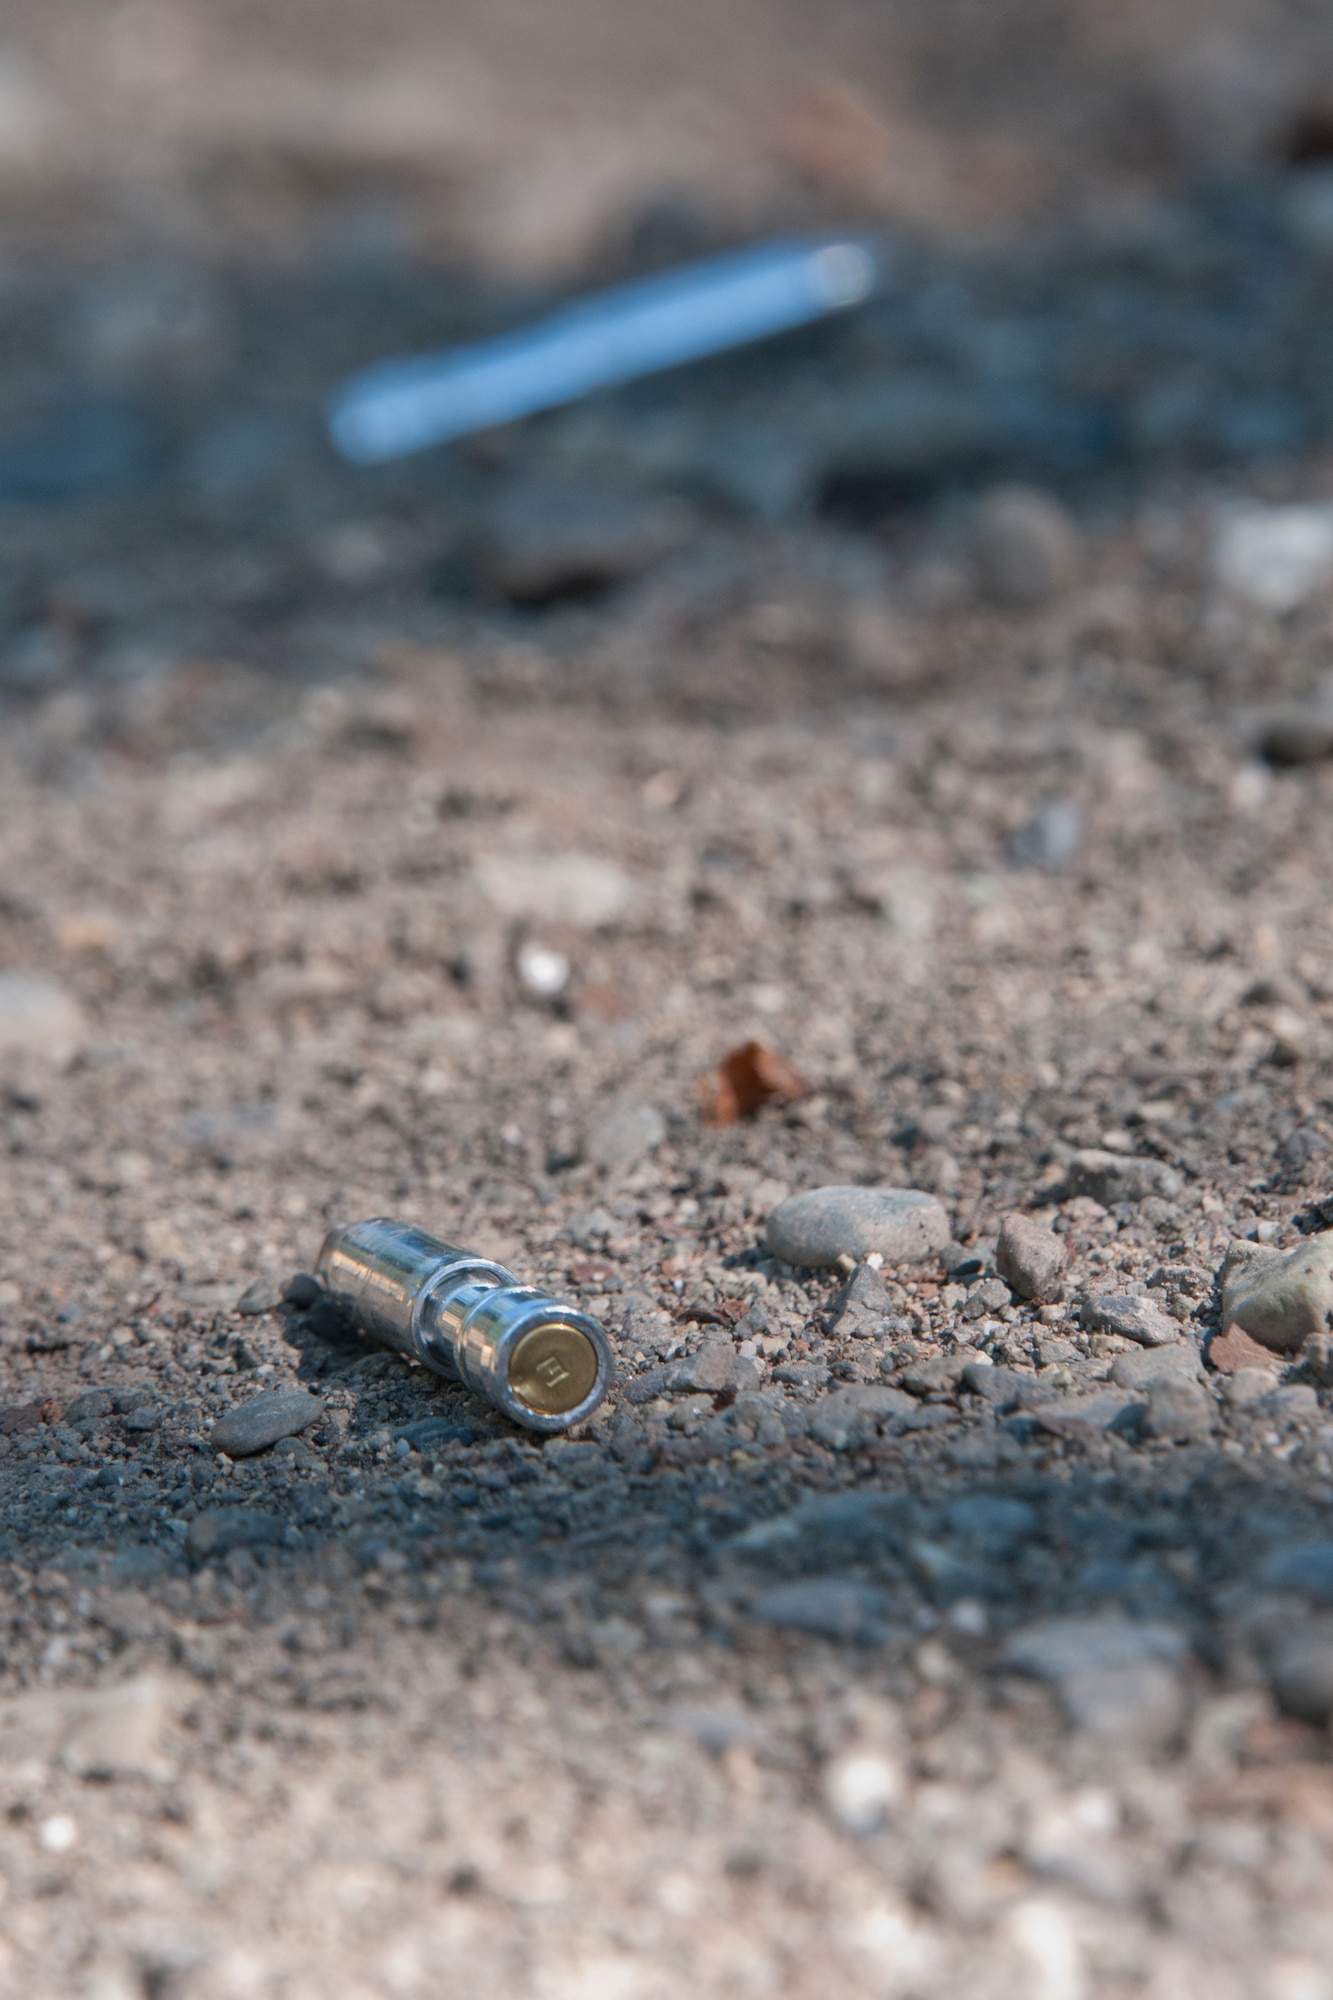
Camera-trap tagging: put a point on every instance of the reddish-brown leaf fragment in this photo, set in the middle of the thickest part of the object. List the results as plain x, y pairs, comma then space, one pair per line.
747, 1079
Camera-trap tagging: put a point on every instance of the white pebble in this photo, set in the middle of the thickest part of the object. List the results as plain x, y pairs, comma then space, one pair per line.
58, 1834
860, 1790
542, 971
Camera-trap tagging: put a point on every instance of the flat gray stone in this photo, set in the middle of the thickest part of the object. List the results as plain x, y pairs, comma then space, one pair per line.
1115, 1177
1130, 1316
218, 1529
255, 1425
1179, 1363
815, 1229
831, 1607
851, 1417
1075, 1416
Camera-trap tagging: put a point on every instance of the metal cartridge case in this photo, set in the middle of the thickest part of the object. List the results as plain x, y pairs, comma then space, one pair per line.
545, 1365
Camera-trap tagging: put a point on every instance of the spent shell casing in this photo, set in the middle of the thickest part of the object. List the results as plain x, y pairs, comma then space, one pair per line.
543, 1363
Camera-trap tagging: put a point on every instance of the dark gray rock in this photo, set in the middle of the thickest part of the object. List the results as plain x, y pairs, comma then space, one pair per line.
860, 1305
816, 1229
831, 1607
301, 1290
147, 1417
990, 1296
1051, 839
220, 1529
804, 1374
255, 1425
1130, 1316
1029, 1258
1306, 1566
91, 1404
1115, 1177
1004, 1388
427, 1431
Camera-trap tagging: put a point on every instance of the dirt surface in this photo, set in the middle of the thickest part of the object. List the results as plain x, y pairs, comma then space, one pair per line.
416, 842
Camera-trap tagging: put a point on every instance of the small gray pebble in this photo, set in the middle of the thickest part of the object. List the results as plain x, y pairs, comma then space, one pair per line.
260, 1297
218, 1529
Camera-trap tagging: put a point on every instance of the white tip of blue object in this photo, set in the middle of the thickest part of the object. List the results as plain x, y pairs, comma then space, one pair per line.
615, 336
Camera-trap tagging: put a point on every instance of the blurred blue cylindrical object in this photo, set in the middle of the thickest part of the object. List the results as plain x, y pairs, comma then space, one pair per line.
614, 336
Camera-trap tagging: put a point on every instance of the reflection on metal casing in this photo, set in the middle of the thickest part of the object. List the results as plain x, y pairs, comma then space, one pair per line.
544, 1364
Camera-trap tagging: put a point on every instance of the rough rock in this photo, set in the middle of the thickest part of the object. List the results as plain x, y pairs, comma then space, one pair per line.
990, 1296
579, 890
1130, 1316
1118, 1678
219, 1529
817, 1228
860, 1305
625, 1134
1275, 557
850, 1417
1156, 1364
1115, 1177
1004, 1388
1279, 1297
1081, 1416
260, 1297
1249, 1387
832, 1607
255, 1425
942, 1372
1179, 1412
1029, 1258
39, 1020
1301, 1670
1026, 546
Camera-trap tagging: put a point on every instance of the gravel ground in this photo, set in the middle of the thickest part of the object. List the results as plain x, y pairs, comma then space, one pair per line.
825, 1655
